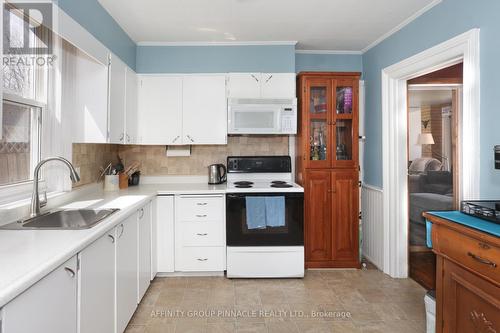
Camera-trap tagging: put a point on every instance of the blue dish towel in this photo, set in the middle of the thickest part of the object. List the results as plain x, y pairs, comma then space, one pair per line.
275, 211
256, 212
428, 227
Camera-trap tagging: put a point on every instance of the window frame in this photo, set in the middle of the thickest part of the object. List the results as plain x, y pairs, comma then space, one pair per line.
19, 190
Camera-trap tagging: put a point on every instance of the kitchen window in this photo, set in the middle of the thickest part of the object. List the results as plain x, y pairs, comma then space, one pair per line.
24, 100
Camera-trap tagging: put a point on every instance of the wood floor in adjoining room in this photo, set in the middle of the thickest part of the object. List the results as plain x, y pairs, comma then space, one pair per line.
324, 301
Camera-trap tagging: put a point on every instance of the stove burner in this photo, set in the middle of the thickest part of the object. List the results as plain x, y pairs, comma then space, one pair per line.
278, 182
243, 186
243, 182
281, 185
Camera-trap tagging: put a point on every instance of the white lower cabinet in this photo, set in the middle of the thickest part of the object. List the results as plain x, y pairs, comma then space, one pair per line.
200, 240
126, 271
165, 239
50, 305
96, 286
144, 250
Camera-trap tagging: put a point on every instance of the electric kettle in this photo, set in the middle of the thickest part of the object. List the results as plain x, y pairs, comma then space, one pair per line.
216, 174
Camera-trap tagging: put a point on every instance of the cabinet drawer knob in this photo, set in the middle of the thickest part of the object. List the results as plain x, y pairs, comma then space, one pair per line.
202, 259
482, 260
112, 238
70, 272
204, 215
202, 203
204, 234
141, 213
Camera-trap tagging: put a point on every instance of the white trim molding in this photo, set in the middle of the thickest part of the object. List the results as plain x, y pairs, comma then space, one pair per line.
334, 52
464, 47
401, 25
225, 43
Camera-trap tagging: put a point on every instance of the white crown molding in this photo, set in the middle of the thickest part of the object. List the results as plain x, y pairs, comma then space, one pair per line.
401, 25
232, 43
328, 52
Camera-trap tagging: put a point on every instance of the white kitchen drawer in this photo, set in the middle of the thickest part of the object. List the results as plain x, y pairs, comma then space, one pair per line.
201, 208
199, 259
210, 233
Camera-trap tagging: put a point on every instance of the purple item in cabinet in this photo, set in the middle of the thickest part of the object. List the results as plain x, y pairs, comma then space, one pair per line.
347, 100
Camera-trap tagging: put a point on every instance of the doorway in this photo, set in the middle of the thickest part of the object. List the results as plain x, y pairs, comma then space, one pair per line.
433, 172
462, 48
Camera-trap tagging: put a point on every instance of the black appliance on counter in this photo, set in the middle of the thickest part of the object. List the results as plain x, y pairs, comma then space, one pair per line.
485, 209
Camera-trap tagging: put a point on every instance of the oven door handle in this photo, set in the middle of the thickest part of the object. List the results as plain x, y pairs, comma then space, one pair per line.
235, 196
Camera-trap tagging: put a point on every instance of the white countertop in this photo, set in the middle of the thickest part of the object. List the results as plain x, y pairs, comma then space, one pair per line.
26, 256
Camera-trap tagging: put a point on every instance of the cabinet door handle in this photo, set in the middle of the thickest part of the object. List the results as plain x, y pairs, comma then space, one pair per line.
204, 215
121, 137
204, 234
70, 272
141, 213
482, 260
190, 138
202, 259
121, 232
176, 138
269, 78
255, 78
202, 203
112, 238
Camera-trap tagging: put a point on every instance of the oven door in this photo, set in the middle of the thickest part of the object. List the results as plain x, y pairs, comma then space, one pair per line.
239, 234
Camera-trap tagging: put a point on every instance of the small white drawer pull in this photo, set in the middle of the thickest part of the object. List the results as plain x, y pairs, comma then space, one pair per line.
202, 203
202, 259
204, 215
204, 234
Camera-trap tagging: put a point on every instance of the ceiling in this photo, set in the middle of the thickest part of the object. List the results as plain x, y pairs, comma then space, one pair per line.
420, 98
336, 25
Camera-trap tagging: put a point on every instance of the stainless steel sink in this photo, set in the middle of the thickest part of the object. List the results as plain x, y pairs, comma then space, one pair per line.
63, 220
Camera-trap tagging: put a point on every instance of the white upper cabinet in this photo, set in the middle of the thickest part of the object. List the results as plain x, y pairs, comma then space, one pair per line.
117, 89
85, 93
278, 85
204, 118
160, 110
261, 85
244, 85
131, 105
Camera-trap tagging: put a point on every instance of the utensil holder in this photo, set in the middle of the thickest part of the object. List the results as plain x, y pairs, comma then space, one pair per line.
111, 183
123, 181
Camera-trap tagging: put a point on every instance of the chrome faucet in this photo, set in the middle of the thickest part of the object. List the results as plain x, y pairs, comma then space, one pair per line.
35, 199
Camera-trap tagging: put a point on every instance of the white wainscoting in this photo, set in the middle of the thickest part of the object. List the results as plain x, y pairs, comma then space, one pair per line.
372, 224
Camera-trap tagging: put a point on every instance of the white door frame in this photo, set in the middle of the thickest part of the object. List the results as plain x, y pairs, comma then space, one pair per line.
464, 47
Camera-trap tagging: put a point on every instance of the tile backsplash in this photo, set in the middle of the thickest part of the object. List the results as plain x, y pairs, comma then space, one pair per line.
154, 161
89, 157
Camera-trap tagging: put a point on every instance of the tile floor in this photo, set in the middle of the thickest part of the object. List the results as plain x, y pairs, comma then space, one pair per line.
324, 301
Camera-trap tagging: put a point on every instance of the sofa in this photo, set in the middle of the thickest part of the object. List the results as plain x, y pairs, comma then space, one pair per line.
431, 191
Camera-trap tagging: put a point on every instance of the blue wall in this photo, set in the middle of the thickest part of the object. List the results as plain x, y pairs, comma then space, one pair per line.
446, 20
93, 17
328, 62
215, 59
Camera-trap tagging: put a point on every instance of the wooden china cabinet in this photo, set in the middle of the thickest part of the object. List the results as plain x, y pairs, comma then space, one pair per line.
327, 166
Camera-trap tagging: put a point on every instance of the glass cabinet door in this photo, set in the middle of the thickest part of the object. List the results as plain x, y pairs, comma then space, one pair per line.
344, 99
344, 139
319, 118
345, 130
318, 140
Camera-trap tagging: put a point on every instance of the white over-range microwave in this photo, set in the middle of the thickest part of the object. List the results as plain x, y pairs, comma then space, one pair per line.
262, 116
